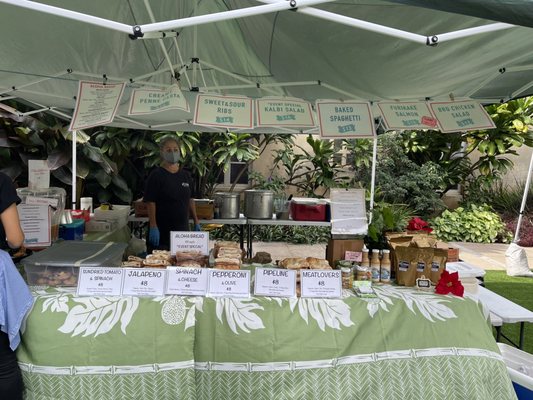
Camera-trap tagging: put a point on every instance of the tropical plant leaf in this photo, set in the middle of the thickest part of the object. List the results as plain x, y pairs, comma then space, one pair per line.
57, 158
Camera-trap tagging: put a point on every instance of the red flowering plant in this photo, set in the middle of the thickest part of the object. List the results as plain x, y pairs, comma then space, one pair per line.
450, 283
418, 224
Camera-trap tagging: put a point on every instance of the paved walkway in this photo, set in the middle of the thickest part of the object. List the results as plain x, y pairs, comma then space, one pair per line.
487, 256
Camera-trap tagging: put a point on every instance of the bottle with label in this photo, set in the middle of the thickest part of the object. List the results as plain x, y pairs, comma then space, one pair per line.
375, 265
385, 267
363, 270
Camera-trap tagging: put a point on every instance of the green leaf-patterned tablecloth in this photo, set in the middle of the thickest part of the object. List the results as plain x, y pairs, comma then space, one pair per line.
404, 345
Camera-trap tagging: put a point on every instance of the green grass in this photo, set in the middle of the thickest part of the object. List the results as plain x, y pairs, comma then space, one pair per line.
520, 291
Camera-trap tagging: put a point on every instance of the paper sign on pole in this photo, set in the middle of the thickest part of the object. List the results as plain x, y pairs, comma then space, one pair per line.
228, 283
186, 281
281, 111
456, 116
348, 212
100, 281
407, 115
224, 111
35, 221
321, 283
96, 104
149, 101
38, 174
345, 119
189, 241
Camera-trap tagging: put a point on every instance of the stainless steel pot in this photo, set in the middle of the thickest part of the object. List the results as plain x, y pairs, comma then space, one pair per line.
228, 204
258, 204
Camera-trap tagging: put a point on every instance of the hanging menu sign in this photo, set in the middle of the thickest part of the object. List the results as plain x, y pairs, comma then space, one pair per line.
281, 111
149, 101
224, 111
344, 119
189, 241
100, 281
96, 104
456, 116
144, 282
186, 281
321, 283
275, 282
407, 115
228, 283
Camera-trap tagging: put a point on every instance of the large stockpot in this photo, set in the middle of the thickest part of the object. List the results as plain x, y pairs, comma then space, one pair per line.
258, 204
228, 204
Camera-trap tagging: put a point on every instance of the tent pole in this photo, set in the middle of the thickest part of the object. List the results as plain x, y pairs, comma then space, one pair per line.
74, 166
227, 15
524, 199
373, 178
473, 31
37, 81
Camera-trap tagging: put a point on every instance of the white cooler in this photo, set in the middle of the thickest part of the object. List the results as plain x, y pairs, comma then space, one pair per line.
520, 367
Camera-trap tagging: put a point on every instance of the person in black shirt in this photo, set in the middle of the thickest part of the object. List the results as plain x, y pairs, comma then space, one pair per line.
169, 198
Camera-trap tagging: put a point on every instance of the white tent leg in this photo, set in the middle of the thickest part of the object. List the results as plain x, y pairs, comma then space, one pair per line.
74, 167
524, 199
373, 178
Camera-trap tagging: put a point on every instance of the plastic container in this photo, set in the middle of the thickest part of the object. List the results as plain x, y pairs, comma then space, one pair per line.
520, 368
59, 264
308, 209
53, 196
119, 214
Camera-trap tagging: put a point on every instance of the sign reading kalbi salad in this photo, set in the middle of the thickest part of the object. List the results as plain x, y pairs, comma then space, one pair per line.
282, 111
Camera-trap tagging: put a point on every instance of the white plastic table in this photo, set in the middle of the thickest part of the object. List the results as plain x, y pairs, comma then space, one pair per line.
465, 269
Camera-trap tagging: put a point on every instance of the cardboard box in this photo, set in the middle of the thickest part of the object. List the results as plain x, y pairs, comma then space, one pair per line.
140, 208
204, 209
336, 249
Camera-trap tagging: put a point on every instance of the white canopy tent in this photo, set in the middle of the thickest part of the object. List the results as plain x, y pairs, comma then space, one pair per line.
370, 50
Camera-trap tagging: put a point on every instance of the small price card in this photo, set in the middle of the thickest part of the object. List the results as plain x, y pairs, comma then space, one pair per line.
186, 281
144, 282
275, 282
353, 256
100, 281
228, 283
321, 283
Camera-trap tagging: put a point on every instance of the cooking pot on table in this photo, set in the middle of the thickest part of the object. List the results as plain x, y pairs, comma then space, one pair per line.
228, 204
258, 204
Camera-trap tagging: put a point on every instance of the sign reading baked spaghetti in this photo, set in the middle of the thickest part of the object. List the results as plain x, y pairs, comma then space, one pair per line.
149, 101
96, 104
407, 115
345, 119
456, 116
224, 111
321, 283
281, 111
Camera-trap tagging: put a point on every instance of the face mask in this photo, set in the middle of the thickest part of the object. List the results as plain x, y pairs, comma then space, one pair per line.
171, 157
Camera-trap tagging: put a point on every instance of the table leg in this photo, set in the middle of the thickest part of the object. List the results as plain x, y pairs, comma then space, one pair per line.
249, 241
498, 333
241, 236
521, 340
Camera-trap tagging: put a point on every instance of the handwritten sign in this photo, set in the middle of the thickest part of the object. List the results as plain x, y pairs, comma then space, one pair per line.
96, 104
187, 281
149, 101
224, 111
346, 119
35, 221
228, 283
407, 115
100, 281
321, 283
144, 282
281, 111
275, 282
189, 241
457, 116
38, 174
348, 212
353, 256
